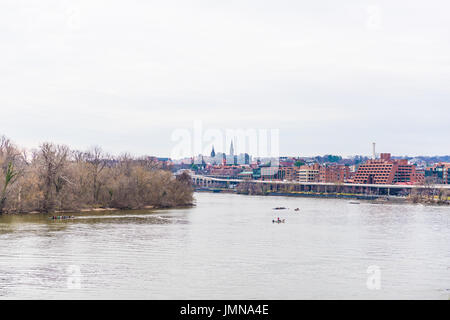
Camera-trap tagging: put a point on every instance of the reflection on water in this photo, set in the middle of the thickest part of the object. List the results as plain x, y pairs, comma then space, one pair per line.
227, 247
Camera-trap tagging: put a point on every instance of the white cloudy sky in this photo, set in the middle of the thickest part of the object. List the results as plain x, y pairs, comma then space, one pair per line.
332, 76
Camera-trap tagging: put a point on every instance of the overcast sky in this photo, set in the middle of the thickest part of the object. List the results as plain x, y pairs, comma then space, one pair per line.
332, 76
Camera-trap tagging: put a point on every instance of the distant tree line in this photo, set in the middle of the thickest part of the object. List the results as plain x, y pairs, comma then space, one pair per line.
55, 178
327, 158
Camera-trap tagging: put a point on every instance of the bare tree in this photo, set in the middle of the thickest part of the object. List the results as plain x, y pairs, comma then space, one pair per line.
10, 163
10, 176
56, 178
97, 160
429, 188
52, 160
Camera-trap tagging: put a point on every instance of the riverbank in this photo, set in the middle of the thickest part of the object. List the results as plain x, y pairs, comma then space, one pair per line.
98, 210
347, 196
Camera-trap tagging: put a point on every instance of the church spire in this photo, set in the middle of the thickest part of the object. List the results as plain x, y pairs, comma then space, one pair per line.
213, 153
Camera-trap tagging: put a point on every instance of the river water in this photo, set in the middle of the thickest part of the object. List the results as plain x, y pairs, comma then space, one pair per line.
226, 247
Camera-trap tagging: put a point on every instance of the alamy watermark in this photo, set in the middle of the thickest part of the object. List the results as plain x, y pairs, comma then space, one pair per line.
374, 17
257, 142
73, 18
374, 279
73, 277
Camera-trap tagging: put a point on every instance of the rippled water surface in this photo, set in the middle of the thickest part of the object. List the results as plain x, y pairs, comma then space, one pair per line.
228, 248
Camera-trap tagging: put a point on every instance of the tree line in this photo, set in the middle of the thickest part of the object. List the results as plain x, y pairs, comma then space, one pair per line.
55, 178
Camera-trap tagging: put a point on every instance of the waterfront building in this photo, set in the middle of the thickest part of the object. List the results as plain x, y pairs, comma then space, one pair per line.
420, 176
287, 173
225, 171
246, 175
386, 171
334, 173
308, 173
269, 173
440, 172
256, 173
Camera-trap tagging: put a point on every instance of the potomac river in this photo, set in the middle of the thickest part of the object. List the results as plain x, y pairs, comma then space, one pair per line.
226, 247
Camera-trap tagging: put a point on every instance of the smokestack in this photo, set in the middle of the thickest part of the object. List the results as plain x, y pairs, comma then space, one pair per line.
374, 154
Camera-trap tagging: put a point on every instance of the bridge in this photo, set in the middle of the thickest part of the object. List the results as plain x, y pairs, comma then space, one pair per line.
325, 187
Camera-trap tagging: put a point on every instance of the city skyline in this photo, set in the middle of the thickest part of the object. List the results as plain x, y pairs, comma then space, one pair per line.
30, 149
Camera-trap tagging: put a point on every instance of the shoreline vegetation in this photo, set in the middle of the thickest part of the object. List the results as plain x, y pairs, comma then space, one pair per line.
54, 178
413, 198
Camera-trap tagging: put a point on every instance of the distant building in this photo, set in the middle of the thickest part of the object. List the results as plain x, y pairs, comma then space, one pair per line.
287, 173
334, 173
162, 163
440, 172
246, 175
420, 176
216, 159
286, 162
269, 173
256, 173
308, 173
226, 171
231, 159
243, 158
387, 171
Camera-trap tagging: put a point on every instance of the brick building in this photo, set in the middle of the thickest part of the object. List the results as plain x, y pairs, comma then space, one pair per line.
225, 171
287, 173
334, 173
387, 171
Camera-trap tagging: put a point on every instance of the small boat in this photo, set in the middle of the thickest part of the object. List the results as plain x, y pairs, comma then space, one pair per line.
279, 208
279, 221
354, 202
297, 209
